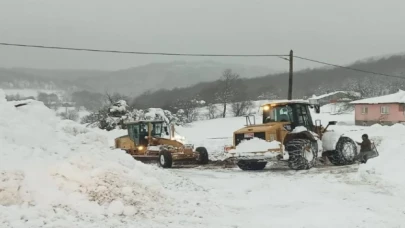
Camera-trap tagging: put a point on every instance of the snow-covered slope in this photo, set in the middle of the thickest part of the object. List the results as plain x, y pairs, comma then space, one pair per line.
56, 173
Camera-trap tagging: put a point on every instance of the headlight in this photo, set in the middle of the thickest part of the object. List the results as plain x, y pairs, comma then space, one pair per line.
140, 147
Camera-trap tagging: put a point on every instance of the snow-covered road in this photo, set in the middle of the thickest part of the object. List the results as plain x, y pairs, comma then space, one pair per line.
322, 197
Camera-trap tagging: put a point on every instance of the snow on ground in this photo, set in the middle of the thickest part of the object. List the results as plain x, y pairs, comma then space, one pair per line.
58, 173
82, 112
366, 195
213, 134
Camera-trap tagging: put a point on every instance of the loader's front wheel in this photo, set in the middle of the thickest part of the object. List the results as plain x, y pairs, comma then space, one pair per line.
165, 159
302, 153
203, 155
251, 164
345, 152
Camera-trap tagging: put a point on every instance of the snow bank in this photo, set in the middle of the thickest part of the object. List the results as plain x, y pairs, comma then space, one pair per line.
389, 167
58, 173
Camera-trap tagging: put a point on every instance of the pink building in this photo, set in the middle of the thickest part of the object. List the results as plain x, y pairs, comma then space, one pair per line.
384, 110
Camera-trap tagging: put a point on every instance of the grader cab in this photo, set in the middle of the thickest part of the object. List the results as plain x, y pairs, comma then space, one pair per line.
290, 123
151, 142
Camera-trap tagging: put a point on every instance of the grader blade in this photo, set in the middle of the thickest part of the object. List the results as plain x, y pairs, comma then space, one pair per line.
147, 159
182, 162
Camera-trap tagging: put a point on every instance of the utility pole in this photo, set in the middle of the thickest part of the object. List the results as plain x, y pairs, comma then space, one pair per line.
290, 78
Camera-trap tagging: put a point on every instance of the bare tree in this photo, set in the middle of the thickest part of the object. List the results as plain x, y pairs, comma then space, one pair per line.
241, 108
187, 109
227, 89
212, 111
372, 87
112, 98
70, 114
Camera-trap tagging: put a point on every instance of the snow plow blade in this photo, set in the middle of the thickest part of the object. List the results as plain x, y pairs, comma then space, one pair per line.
148, 159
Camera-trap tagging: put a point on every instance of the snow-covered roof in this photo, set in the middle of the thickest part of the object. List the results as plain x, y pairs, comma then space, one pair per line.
285, 101
398, 97
351, 93
143, 121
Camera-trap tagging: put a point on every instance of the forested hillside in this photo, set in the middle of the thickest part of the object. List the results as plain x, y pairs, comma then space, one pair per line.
306, 83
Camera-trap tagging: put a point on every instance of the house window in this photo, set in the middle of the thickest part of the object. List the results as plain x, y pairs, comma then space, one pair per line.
402, 108
384, 110
364, 110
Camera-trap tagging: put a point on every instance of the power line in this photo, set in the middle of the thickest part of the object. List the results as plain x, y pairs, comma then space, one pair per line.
349, 68
138, 52
190, 54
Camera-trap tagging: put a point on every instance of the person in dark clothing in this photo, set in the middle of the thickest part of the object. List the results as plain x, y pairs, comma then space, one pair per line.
365, 149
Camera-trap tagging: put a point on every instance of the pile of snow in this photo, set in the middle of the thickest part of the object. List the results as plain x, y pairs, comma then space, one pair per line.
58, 173
388, 167
299, 129
249, 147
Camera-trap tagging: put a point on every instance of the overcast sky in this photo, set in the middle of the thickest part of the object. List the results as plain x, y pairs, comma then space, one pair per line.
339, 31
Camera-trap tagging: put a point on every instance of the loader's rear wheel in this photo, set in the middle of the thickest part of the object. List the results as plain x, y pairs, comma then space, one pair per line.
252, 164
203, 155
165, 159
345, 152
302, 153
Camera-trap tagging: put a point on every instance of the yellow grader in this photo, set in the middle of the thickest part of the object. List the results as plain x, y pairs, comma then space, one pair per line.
301, 141
145, 141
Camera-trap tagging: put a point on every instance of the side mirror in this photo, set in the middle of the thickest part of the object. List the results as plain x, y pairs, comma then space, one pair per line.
332, 122
317, 109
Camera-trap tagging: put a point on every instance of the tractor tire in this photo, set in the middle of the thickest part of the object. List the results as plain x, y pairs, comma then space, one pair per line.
251, 164
165, 159
299, 157
203, 153
345, 152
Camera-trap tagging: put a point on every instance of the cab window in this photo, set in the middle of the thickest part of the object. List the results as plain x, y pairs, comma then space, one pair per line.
133, 131
303, 116
279, 114
157, 129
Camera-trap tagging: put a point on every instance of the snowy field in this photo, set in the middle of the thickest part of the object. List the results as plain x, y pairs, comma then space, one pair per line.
57, 173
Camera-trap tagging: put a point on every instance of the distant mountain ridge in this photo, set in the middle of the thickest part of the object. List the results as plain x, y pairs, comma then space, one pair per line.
192, 77
132, 81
